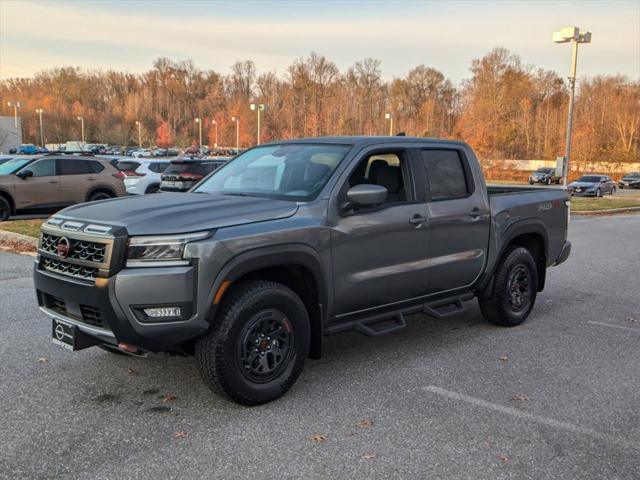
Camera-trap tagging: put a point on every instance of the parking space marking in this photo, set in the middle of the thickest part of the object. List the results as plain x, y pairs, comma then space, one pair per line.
514, 412
620, 327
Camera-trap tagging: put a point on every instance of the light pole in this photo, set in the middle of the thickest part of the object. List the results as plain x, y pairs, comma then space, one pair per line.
40, 111
258, 107
199, 122
237, 120
16, 106
215, 125
573, 35
389, 117
81, 119
139, 125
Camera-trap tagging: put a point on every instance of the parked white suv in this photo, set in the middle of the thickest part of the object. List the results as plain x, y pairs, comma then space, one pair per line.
142, 175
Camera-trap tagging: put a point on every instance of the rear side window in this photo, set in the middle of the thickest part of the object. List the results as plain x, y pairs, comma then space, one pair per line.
158, 167
73, 167
95, 167
446, 174
206, 168
127, 166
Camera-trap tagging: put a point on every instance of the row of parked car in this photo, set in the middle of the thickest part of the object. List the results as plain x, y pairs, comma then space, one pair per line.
101, 149
594, 185
50, 181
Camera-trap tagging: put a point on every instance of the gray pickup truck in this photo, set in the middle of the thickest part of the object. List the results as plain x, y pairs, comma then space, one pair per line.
292, 241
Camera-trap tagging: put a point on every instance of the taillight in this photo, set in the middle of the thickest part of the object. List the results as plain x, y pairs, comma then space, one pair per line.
119, 175
190, 176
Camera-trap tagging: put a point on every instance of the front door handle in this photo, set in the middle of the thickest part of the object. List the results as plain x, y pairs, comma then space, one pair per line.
52, 181
417, 220
475, 213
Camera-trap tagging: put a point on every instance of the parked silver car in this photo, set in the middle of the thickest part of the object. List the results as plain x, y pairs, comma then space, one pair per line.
592, 186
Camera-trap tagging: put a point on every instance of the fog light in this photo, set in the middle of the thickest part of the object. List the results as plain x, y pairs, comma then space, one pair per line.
162, 312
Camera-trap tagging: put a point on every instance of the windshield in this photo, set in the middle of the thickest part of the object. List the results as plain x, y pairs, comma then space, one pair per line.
286, 172
632, 175
12, 166
589, 179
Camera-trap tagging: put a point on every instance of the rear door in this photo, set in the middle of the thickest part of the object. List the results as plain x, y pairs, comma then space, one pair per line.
459, 219
42, 190
76, 178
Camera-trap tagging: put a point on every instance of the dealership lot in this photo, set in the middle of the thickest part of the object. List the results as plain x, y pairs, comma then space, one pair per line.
554, 398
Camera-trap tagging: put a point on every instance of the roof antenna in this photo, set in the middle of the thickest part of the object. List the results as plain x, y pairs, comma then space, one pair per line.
401, 134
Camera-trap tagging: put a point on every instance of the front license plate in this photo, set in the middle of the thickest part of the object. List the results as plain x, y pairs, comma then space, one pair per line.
63, 334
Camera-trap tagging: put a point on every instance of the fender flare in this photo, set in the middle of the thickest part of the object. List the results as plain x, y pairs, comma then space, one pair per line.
516, 229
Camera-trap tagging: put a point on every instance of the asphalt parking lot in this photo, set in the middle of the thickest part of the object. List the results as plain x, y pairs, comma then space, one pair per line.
558, 397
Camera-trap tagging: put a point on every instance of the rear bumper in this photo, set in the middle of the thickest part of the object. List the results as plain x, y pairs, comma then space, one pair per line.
564, 253
112, 309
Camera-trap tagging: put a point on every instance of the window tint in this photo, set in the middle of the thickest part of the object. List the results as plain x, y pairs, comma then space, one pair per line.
158, 167
95, 167
205, 168
43, 168
73, 167
446, 174
127, 166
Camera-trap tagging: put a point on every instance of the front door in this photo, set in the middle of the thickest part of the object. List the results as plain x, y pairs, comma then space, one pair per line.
42, 189
379, 254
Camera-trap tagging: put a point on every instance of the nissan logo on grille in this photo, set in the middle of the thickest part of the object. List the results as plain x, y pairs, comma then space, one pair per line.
63, 248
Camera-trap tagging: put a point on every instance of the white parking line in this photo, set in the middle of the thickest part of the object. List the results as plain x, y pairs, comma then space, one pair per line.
514, 412
620, 327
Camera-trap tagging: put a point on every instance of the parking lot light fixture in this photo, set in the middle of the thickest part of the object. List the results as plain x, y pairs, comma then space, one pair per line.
16, 106
215, 125
40, 111
389, 117
199, 122
81, 120
258, 107
139, 125
574, 36
237, 121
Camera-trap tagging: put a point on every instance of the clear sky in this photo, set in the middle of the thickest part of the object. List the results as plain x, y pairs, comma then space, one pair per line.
129, 35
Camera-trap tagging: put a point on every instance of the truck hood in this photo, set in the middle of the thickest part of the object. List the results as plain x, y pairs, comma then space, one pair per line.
171, 213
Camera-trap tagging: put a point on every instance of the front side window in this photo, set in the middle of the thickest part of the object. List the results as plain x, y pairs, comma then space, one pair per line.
43, 168
385, 169
12, 166
446, 174
294, 172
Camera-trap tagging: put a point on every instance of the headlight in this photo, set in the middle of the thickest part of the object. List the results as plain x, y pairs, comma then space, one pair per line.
160, 250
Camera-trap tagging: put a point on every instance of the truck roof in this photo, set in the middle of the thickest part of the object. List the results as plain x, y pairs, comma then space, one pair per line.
363, 140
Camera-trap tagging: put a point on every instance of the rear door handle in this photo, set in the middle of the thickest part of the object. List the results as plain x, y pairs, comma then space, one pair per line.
91, 179
417, 220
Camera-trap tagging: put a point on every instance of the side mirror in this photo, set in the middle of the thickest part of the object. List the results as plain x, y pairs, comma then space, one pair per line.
24, 174
364, 195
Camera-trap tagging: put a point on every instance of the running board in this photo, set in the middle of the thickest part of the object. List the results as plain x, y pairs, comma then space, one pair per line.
392, 321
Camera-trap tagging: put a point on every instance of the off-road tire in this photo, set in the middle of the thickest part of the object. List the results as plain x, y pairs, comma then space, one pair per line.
217, 352
497, 307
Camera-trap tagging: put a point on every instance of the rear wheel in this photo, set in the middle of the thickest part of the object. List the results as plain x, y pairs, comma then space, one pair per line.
155, 188
101, 195
257, 347
514, 289
5, 209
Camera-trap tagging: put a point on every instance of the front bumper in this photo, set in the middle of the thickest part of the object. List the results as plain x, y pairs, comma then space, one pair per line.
111, 308
564, 253
588, 193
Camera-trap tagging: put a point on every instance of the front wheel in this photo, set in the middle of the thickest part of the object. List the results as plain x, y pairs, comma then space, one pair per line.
5, 209
598, 193
514, 289
257, 347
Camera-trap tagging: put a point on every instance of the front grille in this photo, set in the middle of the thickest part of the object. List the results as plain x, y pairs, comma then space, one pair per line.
91, 315
56, 304
78, 249
66, 268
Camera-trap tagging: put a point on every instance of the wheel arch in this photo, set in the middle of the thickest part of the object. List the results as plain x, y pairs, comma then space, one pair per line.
100, 188
530, 234
298, 267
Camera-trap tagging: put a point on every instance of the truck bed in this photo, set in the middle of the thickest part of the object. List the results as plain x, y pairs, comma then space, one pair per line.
505, 189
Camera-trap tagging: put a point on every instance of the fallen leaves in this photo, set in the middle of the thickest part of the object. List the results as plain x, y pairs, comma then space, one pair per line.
368, 456
366, 423
131, 371
503, 358
503, 459
318, 438
631, 319
520, 398
180, 435
43, 360
169, 398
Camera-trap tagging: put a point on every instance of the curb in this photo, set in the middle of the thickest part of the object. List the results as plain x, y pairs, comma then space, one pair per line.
18, 237
608, 211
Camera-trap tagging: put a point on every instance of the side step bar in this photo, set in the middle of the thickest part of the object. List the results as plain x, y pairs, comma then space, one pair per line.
392, 321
